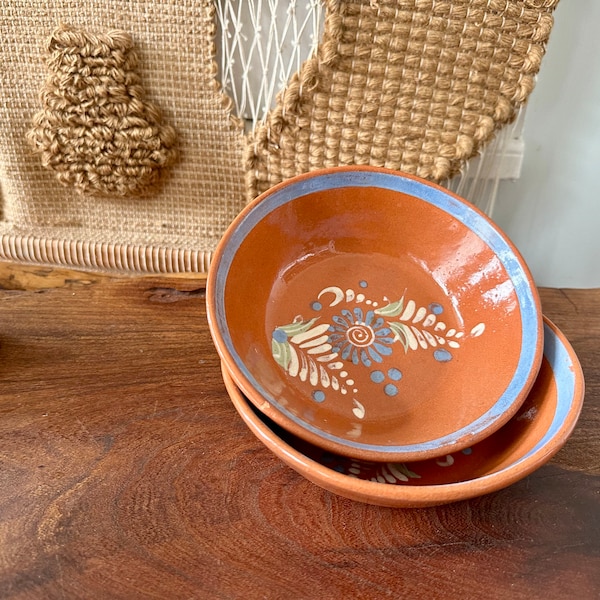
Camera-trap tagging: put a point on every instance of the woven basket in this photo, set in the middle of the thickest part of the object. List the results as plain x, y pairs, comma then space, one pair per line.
119, 151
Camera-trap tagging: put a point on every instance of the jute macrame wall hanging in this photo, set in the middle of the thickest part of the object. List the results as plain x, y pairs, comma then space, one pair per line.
418, 86
120, 151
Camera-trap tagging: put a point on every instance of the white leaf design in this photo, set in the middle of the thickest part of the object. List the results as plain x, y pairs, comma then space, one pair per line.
358, 410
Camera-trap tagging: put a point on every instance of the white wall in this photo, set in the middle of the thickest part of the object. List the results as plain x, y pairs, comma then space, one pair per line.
552, 212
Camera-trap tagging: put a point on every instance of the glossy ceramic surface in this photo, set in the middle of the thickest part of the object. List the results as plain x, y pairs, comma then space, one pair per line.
374, 314
527, 441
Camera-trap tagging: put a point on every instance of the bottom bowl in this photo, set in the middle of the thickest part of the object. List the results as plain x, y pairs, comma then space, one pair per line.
527, 441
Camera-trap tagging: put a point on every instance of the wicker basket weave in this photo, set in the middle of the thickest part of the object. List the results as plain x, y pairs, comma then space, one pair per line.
119, 151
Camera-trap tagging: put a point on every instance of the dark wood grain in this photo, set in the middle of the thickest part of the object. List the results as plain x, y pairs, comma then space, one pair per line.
125, 472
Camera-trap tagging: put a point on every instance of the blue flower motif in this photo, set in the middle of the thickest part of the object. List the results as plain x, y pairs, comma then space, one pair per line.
361, 337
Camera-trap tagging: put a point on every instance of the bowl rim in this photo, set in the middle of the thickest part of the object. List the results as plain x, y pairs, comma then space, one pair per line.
570, 384
530, 357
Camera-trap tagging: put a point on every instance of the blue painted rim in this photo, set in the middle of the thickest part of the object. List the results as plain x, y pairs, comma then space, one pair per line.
466, 214
558, 356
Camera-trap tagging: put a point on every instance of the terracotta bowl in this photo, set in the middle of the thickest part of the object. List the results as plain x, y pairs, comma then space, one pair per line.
375, 314
527, 441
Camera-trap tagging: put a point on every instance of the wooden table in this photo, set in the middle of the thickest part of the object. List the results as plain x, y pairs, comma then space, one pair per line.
126, 473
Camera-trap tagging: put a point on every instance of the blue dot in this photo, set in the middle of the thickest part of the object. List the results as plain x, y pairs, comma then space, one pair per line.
363, 284
377, 376
279, 335
395, 374
467, 451
316, 306
390, 389
318, 396
436, 309
442, 355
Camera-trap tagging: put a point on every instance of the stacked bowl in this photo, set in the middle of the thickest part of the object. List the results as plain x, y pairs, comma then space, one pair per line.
385, 339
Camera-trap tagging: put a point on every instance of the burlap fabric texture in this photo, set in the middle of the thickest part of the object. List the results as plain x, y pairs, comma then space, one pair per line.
119, 151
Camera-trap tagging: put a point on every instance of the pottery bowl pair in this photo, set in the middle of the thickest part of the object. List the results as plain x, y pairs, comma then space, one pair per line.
374, 315
539, 429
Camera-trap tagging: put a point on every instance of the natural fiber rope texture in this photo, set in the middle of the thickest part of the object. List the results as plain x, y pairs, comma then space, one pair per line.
414, 85
96, 130
187, 210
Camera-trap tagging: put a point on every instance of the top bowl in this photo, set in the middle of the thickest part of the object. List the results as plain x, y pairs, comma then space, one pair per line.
375, 314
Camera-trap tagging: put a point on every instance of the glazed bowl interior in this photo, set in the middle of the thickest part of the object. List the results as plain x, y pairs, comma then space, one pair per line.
375, 314
538, 430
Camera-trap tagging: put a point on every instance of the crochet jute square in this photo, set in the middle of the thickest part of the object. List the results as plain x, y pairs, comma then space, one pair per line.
119, 151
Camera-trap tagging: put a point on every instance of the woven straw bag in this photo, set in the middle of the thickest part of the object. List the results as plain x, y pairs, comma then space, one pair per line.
119, 151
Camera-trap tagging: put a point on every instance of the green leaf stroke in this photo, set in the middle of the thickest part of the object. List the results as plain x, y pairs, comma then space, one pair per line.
400, 330
281, 353
391, 310
300, 327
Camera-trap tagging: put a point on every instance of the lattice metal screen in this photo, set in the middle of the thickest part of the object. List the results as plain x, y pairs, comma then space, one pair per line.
262, 42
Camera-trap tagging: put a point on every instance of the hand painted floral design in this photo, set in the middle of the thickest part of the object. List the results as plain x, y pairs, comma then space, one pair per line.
361, 337
326, 349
